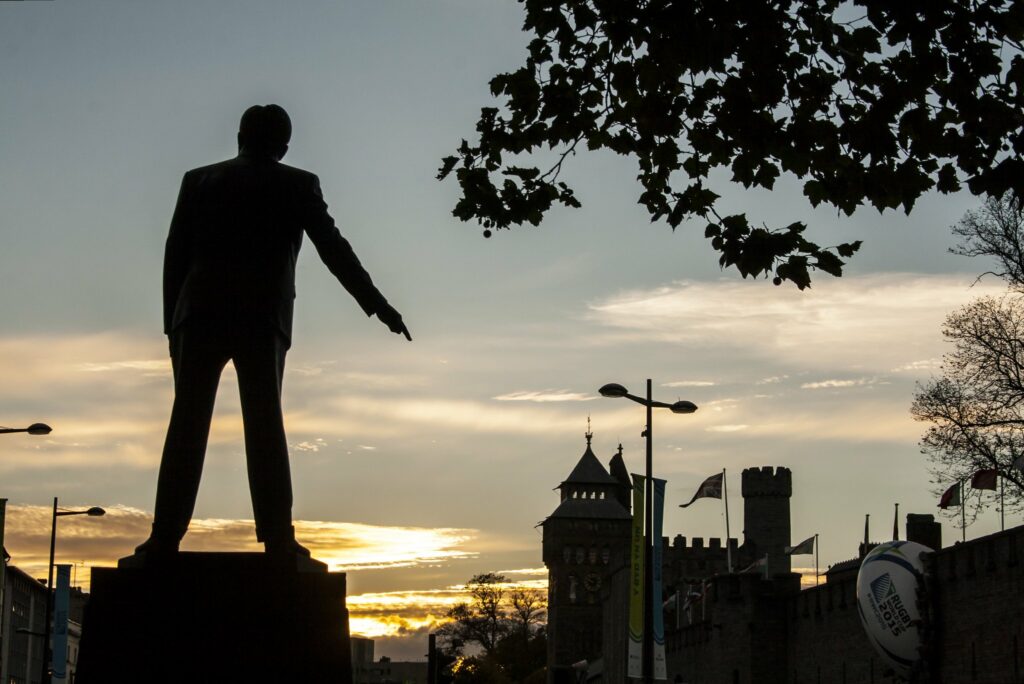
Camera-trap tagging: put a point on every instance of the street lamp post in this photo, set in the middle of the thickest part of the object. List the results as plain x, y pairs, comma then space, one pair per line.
44, 675
614, 390
33, 429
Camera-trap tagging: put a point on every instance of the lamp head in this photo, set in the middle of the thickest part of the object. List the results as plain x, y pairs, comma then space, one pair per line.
683, 407
613, 390
95, 510
38, 429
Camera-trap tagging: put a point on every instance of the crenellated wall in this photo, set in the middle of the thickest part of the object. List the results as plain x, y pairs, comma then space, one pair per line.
757, 631
977, 602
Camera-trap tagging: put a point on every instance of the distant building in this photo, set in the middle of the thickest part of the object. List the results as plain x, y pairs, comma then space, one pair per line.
21, 653
384, 671
759, 627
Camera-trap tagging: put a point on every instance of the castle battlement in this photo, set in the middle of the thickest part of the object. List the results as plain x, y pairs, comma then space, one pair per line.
697, 544
767, 481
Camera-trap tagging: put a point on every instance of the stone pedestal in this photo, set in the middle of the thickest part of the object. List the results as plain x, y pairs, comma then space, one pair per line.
216, 617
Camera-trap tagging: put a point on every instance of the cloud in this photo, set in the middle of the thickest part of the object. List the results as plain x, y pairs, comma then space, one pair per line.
149, 367
726, 428
417, 612
836, 384
544, 396
344, 546
852, 321
920, 365
689, 383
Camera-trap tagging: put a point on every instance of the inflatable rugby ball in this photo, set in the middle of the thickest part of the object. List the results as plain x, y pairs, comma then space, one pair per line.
887, 589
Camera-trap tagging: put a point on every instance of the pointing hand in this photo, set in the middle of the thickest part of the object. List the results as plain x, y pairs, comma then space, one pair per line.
391, 318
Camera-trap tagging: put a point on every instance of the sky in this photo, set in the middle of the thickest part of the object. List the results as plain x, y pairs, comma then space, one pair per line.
417, 465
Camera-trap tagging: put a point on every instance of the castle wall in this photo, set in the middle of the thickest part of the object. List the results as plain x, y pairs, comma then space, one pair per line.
764, 631
978, 609
826, 640
740, 635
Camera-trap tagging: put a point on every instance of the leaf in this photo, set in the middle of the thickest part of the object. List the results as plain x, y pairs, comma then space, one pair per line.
447, 164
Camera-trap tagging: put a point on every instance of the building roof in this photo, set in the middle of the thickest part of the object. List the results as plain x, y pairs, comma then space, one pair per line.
606, 509
589, 471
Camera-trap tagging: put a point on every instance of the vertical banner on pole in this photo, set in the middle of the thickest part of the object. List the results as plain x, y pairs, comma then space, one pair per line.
658, 623
61, 605
635, 659
3, 568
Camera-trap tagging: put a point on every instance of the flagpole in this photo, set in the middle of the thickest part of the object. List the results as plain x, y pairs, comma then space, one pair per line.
963, 512
815, 559
728, 547
867, 519
1002, 514
896, 524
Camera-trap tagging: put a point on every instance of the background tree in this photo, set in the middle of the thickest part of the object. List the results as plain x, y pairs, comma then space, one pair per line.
498, 635
869, 101
996, 230
976, 408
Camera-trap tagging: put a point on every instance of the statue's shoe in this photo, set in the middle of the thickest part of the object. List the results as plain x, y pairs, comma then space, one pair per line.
285, 547
157, 546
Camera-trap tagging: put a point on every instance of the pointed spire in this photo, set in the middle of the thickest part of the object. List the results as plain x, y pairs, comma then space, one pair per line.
589, 434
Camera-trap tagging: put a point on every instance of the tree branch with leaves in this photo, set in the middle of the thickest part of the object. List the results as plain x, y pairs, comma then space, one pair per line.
869, 102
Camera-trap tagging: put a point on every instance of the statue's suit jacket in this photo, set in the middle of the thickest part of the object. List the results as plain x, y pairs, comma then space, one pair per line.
234, 239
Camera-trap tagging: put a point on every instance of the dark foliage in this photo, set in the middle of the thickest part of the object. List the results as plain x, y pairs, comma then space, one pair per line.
498, 637
870, 102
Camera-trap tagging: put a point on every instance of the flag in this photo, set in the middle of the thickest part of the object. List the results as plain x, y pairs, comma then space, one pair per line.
760, 563
803, 548
985, 479
950, 497
710, 488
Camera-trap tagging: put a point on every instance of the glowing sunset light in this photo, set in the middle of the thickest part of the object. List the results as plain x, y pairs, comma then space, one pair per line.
344, 546
351, 546
402, 613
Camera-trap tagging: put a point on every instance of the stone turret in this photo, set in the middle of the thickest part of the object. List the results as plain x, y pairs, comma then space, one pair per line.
586, 541
617, 468
766, 495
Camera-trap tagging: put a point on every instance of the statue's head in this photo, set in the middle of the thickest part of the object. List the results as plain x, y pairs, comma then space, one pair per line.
265, 130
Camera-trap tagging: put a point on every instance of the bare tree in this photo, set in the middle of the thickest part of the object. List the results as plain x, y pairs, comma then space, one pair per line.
483, 622
498, 635
995, 230
976, 407
528, 609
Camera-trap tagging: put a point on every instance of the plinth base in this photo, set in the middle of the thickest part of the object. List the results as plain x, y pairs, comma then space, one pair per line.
216, 617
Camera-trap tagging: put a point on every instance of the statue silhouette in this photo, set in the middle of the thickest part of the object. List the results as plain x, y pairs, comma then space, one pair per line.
229, 290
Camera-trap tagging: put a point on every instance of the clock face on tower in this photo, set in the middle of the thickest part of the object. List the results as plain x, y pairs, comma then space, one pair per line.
592, 581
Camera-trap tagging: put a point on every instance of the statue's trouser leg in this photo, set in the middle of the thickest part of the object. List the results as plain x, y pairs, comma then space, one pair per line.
197, 360
259, 363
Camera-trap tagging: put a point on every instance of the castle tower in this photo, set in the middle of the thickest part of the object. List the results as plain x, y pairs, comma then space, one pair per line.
766, 494
586, 539
617, 469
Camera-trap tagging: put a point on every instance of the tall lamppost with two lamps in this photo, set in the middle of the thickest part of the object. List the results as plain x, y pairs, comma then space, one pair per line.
35, 429
616, 391
47, 651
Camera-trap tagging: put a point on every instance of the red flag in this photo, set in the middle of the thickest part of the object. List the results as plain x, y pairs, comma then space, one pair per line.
985, 479
950, 497
710, 488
